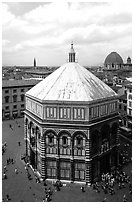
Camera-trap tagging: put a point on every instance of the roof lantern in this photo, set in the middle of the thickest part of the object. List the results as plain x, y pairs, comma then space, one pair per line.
72, 54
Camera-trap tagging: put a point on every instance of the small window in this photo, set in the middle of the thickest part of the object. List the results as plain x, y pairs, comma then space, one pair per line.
22, 105
14, 90
15, 106
22, 90
6, 99
130, 90
125, 108
6, 91
22, 97
15, 98
130, 104
130, 96
130, 112
120, 106
7, 107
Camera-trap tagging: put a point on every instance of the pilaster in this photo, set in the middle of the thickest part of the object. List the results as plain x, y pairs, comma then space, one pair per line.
72, 169
58, 167
88, 159
25, 136
42, 155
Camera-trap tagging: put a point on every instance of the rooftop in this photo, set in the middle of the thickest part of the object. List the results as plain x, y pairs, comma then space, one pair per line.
71, 82
17, 83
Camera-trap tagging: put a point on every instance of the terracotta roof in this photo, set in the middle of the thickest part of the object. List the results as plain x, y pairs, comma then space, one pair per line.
71, 82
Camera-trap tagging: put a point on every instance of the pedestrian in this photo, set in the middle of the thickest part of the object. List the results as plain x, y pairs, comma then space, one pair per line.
4, 176
26, 167
9, 160
82, 189
45, 183
105, 199
119, 186
12, 161
16, 170
19, 143
7, 197
49, 191
5, 169
124, 198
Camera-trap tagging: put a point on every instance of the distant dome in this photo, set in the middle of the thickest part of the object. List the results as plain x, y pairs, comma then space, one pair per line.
113, 58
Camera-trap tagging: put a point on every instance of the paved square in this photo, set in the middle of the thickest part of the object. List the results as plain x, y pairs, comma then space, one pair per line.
19, 188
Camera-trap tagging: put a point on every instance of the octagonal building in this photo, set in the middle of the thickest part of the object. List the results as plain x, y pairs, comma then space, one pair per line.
71, 125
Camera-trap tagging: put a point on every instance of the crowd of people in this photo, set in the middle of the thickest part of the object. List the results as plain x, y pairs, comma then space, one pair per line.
4, 147
108, 181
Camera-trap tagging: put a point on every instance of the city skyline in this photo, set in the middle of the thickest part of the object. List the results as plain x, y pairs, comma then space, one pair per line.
44, 30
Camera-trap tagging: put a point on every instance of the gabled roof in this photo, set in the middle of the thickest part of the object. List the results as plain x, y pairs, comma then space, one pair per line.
71, 82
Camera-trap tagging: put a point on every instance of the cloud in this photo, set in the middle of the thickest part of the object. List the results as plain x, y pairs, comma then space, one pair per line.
115, 19
5, 42
7, 16
56, 24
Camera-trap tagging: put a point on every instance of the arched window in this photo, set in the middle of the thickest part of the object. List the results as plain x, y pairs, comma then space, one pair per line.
15, 98
22, 97
6, 99
50, 138
95, 141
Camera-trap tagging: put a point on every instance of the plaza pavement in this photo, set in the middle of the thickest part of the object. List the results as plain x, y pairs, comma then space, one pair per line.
20, 189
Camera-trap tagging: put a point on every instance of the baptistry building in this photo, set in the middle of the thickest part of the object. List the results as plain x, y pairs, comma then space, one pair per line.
71, 125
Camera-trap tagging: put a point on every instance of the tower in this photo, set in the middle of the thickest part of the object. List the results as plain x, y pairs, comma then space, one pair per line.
128, 60
72, 54
34, 62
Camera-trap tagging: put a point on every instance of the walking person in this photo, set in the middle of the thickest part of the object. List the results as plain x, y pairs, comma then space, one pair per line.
4, 176
5, 169
124, 198
16, 170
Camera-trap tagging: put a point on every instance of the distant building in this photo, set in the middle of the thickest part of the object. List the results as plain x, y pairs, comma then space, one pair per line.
129, 105
13, 97
128, 65
71, 125
36, 73
115, 62
123, 110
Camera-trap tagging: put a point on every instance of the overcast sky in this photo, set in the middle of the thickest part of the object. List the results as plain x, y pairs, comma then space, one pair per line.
45, 31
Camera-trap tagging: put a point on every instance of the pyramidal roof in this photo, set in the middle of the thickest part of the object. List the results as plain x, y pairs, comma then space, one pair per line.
71, 82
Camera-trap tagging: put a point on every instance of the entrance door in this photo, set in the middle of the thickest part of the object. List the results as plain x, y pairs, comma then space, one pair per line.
104, 164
